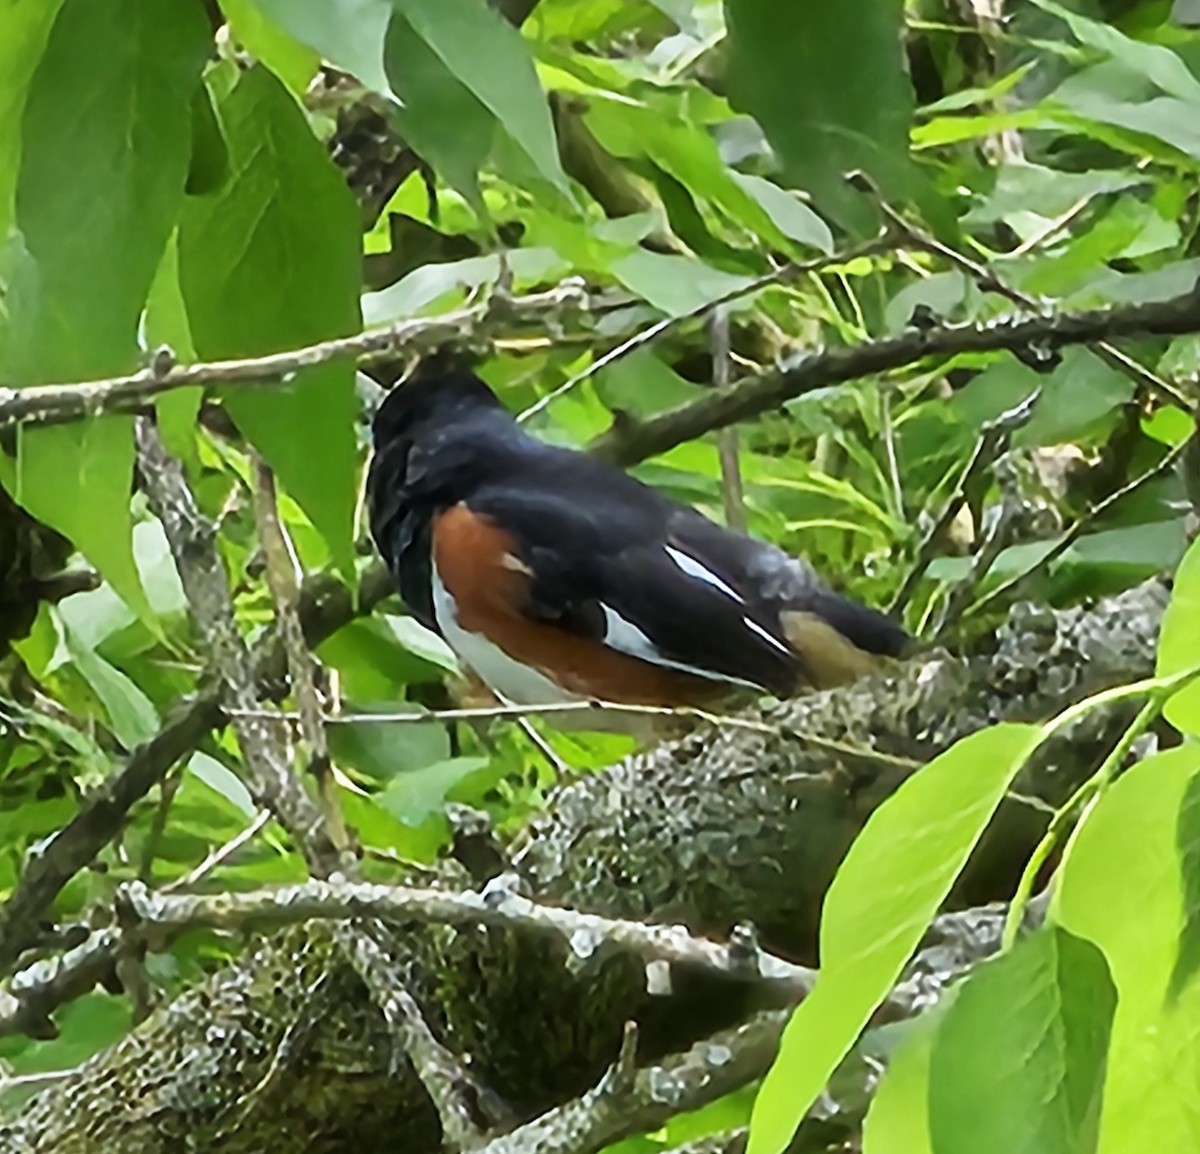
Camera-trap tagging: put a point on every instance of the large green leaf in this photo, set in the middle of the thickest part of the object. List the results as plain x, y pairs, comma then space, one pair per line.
447, 124
1178, 649
487, 54
898, 1119
1122, 888
347, 33
77, 478
293, 61
24, 28
1017, 1064
826, 79
886, 892
105, 145
272, 262
467, 83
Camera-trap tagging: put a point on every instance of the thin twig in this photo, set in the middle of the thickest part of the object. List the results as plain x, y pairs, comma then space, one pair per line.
635, 440
221, 854
628, 1101
988, 281
638, 340
993, 440
132, 392
1077, 530
268, 771
720, 721
732, 495
995, 541
282, 580
100, 818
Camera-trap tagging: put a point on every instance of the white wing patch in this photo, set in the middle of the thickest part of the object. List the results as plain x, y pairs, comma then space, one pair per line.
694, 568
627, 638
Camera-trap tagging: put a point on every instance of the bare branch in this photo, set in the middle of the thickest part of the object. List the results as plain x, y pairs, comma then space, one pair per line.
635, 441
618, 1107
988, 281
497, 906
131, 393
302, 671
453, 1091
269, 776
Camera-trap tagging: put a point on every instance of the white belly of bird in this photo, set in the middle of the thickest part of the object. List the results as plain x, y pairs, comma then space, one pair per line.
511, 679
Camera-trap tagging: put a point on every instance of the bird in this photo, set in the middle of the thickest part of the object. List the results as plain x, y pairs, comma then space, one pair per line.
556, 577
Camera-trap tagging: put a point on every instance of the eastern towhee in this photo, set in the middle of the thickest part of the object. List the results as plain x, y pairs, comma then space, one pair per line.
556, 577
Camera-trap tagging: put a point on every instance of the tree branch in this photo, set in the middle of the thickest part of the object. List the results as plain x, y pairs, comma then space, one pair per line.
626, 1103
637, 440
131, 393
269, 777
497, 907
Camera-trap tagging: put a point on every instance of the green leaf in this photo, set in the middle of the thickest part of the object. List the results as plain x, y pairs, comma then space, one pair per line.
24, 29
132, 717
418, 794
1121, 887
1018, 1062
104, 155
258, 277
223, 782
378, 829
489, 56
827, 81
106, 141
641, 383
889, 887
441, 117
898, 1119
165, 323
347, 33
675, 285
384, 749
789, 213
1177, 647
1155, 62
78, 479
85, 1026
295, 63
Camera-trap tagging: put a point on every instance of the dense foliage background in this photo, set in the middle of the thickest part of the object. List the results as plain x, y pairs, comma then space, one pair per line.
908, 288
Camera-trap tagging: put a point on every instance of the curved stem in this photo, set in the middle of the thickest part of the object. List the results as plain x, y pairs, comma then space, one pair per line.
1159, 691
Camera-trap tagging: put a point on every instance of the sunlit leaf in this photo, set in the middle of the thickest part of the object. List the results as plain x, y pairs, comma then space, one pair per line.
1018, 1061
888, 889
257, 278
1122, 888
293, 61
898, 1119
1178, 649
